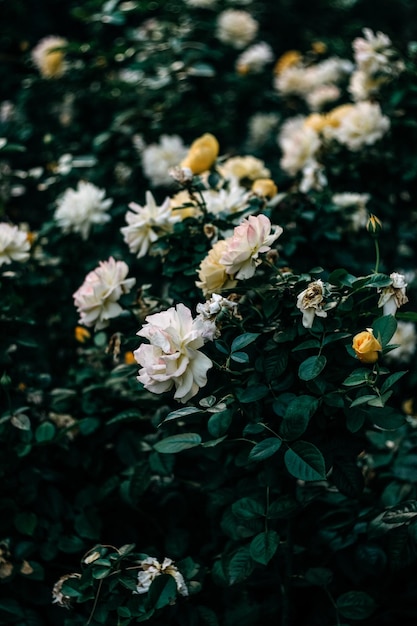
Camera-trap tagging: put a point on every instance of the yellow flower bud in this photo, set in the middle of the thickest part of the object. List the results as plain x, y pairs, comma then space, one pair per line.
265, 187
81, 334
319, 47
202, 154
366, 346
374, 226
129, 358
288, 59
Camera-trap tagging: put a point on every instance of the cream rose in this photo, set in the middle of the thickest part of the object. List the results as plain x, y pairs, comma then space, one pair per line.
212, 273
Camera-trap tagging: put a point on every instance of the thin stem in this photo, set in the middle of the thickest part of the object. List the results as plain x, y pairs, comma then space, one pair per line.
95, 601
286, 590
377, 256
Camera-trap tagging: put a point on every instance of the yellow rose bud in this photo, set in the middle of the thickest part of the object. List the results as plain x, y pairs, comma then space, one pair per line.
316, 121
265, 187
129, 358
374, 226
319, 47
366, 347
81, 334
202, 154
288, 59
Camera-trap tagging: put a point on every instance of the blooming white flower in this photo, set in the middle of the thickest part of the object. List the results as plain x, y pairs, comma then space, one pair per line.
362, 85
299, 80
78, 210
252, 237
228, 200
313, 177
159, 158
151, 568
172, 358
236, 28
393, 296
254, 58
372, 52
97, 298
406, 338
361, 124
311, 302
299, 144
147, 223
14, 244
49, 57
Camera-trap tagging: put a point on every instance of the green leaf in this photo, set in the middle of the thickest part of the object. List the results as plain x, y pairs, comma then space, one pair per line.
402, 513
240, 357
263, 546
355, 605
26, 523
243, 340
176, 443
391, 380
240, 566
363, 399
305, 462
297, 416
264, 449
181, 413
384, 327
283, 508
319, 576
248, 508
312, 367
88, 425
341, 277
357, 377
305, 345
45, 432
129, 415
219, 423
275, 363
162, 591
252, 394
348, 477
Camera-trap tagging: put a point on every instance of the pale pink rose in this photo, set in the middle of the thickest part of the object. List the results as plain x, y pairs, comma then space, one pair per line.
97, 298
249, 239
172, 357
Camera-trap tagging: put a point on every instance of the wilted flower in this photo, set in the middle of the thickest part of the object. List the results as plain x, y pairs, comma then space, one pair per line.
172, 358
151, 568
147, 223
236, 28
78, 210
58, 597
49, 58
360, 124
252, 237
393, 296
254, 59
181, 175
208, 311
406, 337
97, 298
311, 302
366, 346
14, 244
212, 273
158, 158
202, 154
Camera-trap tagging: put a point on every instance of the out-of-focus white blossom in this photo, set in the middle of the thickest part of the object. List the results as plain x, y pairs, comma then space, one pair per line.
151, 568
172, 357
236, 28
159, 158
251, 238
406, 338
260, 128
322, 95
48, 56
362, 124
97, 298
299, 144
79, 210
228, 201
14, 244
372, 52
247, 166
393, 296
147, 223
313, 177
356, 204
254, 58
296, 79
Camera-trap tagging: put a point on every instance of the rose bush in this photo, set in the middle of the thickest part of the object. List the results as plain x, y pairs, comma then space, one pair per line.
208, 313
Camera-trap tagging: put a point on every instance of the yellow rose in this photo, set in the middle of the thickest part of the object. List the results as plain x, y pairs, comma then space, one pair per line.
316, 121
366, 347
288, 59
212, 274
335, 116
177, 205
265, 187
202, 154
